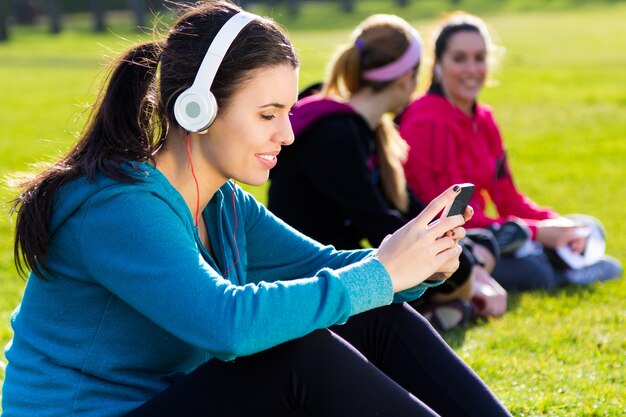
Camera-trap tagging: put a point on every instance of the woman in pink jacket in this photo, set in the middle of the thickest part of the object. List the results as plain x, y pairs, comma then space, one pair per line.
455, 139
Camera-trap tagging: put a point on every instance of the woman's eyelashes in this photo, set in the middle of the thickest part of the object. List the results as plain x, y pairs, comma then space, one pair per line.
273, 116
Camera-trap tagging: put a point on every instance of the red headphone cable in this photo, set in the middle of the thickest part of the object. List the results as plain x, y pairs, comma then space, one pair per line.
234, 202
195, 179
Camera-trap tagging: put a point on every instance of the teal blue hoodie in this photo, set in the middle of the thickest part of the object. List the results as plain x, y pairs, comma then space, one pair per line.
131, 298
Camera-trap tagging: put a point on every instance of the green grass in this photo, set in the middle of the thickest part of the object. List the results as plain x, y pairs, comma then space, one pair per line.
560, 103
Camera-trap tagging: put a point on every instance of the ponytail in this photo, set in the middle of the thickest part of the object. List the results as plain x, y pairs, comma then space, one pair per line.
379, 40
126, 124
344, 73
127, 120
392, 152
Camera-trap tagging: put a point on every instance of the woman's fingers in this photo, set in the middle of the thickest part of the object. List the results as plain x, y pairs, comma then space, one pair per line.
423, 247
449, 259
578, 245
457, 233
443, 244
469, 213
445, 226
437, 205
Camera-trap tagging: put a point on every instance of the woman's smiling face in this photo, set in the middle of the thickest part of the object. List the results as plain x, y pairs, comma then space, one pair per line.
244, 141
463, 68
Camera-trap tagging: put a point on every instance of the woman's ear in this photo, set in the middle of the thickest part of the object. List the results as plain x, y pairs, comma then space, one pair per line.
408, 81
437, 71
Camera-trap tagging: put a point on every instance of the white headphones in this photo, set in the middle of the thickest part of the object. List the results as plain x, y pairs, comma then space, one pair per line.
196, 108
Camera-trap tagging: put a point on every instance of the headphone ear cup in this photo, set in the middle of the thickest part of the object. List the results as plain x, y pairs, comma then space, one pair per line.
195, 111
196, 107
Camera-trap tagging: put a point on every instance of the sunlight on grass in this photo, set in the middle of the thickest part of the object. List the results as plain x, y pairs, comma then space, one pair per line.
560, 103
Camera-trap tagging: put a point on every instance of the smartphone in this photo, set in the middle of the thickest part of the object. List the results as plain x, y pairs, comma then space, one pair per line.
460, 201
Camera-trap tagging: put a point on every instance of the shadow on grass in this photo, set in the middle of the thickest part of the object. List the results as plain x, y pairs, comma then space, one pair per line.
456, 336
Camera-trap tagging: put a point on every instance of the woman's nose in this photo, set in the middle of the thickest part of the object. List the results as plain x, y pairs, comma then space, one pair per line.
285, 135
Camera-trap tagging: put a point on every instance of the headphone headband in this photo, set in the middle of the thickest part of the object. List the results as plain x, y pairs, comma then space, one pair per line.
196, 107
218, 48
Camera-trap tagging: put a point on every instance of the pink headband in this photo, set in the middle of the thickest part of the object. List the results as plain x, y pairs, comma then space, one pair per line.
400, 66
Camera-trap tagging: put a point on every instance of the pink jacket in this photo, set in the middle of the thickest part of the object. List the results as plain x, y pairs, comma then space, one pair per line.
449, 147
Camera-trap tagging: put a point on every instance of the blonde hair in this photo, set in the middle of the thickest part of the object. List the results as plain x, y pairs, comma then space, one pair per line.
377, 41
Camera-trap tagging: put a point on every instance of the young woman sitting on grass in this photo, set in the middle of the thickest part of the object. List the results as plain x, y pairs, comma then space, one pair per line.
160, 288
454, 138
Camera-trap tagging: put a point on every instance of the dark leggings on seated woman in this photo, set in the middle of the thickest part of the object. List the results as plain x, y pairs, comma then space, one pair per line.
532, 272
385, 362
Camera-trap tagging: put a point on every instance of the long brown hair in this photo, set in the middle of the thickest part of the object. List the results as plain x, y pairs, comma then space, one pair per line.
133, 112
377, 41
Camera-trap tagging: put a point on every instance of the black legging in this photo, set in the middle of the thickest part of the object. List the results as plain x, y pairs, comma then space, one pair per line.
402, 368
532, 272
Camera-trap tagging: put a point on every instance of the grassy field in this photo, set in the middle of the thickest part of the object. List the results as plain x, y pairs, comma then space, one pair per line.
561, 103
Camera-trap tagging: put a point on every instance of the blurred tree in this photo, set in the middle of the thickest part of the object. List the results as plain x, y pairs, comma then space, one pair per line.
139, 11
293, 7
4, 31
54, 11
97, 8
24, 12
347, 5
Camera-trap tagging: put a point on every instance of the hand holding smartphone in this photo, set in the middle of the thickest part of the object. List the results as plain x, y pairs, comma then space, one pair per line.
459, 204
461, 200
